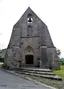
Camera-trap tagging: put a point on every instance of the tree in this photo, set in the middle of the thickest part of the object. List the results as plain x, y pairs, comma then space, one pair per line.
62, 61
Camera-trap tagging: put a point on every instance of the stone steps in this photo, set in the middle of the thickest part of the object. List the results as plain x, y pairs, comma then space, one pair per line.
36, 69
41, 73
44, 73
45, 76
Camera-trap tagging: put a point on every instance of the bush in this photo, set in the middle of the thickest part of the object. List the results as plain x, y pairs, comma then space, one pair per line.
4, 67
62, 61
1, 59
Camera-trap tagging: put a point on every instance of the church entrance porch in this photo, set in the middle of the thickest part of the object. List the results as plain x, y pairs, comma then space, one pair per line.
29, 60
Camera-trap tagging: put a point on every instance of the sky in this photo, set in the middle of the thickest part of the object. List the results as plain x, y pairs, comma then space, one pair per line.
50, 11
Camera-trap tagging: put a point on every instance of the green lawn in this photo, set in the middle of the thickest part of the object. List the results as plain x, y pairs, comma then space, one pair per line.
60, 72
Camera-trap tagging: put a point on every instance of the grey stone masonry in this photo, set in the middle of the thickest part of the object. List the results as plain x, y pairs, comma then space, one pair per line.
31, 44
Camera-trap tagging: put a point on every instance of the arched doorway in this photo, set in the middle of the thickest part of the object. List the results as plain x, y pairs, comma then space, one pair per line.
29, 56
29, 59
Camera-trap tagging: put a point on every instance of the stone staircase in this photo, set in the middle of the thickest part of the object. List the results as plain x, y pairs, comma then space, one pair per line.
44, 73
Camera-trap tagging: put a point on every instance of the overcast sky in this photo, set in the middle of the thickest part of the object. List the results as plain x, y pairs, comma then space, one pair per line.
50, 11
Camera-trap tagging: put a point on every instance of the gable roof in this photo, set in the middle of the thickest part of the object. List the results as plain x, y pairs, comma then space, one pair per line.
24, 16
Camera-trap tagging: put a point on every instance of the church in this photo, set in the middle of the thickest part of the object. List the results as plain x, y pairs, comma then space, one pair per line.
31, 45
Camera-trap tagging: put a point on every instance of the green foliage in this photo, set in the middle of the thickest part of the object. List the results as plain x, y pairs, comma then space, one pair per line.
1, 59
5, 67
1, 65
62, 61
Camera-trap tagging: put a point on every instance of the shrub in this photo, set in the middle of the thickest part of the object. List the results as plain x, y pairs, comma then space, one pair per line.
1, 59
62, 61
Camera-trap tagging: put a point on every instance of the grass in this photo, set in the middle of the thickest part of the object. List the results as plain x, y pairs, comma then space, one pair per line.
60, 72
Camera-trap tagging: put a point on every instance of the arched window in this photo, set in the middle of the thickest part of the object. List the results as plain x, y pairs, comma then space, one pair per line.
29, 31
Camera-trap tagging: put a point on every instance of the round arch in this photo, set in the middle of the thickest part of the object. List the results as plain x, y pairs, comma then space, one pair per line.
29, 50
29, 55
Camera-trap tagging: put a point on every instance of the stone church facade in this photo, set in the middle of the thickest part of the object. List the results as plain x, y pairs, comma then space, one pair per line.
30, 44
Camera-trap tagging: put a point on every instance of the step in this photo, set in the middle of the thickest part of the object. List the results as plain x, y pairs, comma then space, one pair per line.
36, 69
54, 77
45, 73
36, 72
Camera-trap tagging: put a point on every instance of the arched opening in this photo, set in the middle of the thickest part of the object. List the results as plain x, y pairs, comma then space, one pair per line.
29, 18
29, 59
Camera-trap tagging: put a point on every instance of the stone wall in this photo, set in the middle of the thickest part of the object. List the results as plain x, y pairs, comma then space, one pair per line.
31, 38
